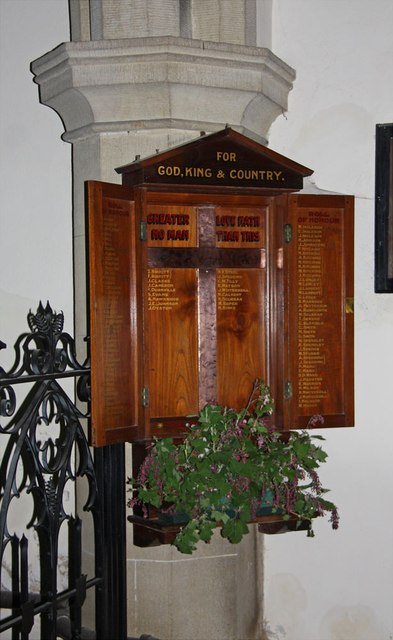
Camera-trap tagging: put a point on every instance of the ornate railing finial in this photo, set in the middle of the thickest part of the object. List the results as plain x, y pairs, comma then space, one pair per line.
46, 321
45, 350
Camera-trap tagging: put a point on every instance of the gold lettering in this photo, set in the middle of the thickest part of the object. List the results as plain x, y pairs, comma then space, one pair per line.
163, 170
226, 156
255, 174
198, 172
161, 291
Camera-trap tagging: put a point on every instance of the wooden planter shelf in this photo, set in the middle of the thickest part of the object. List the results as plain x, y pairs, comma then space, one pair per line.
152, 531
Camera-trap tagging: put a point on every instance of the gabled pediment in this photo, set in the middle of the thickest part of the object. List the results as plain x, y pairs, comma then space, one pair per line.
223, 159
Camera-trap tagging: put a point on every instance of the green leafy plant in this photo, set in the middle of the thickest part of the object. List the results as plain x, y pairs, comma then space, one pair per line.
231, 466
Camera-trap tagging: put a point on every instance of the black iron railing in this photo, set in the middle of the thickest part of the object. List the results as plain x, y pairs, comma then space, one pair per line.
45, 459
61, 507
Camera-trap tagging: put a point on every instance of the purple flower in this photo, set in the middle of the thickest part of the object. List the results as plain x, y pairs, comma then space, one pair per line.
334, 518
146, 465
315, 481
240, 456
315, 420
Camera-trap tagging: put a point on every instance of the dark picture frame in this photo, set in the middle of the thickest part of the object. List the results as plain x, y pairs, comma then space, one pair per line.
384, 208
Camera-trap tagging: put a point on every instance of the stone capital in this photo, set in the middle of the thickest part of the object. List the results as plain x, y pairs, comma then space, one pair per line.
162, 83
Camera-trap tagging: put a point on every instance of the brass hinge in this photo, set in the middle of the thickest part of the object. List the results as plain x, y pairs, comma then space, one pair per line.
288, 232
280, 258
145, 397
288, 391
349, 305
142, 230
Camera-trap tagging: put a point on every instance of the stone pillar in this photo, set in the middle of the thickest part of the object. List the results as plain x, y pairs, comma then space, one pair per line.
141, 75
229, 21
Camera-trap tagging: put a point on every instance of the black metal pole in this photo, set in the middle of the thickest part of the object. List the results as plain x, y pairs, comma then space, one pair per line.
111, 603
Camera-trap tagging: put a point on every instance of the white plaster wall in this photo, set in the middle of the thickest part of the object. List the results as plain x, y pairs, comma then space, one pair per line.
35, 173
35, 199
339, 585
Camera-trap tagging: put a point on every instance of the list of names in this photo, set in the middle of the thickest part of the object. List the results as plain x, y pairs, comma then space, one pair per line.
312, 310
161, 290
230, 289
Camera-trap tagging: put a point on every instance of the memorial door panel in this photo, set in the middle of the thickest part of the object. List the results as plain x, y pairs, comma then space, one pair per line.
116, 411
319, 280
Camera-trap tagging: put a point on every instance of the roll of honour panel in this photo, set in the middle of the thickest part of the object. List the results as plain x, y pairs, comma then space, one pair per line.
204, 327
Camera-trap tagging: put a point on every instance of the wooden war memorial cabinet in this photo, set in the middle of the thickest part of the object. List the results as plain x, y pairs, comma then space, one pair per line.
207, 270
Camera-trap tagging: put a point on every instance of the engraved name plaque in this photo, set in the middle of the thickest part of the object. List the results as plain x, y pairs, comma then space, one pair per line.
320, 320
